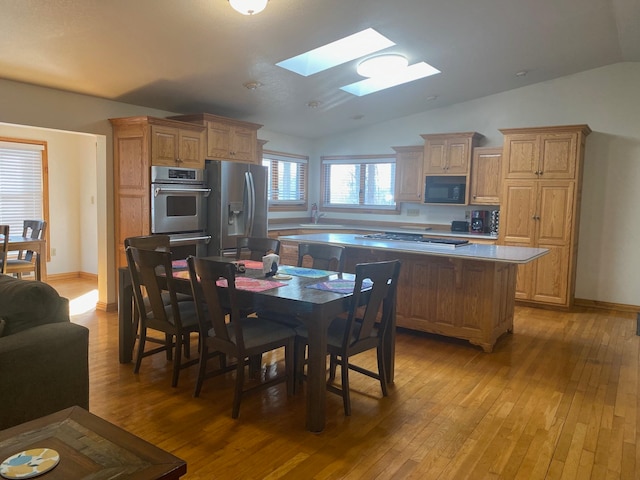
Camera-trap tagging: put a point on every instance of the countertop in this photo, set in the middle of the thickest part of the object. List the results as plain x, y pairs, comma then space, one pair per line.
386, 228
472, 251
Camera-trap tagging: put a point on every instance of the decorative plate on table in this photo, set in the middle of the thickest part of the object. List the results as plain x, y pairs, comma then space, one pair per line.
29, 463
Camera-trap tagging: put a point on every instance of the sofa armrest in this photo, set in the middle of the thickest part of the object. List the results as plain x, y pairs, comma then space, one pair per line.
42, 370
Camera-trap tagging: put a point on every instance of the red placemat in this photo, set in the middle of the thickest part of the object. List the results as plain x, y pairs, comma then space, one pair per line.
179, 264
251, 284
251, 264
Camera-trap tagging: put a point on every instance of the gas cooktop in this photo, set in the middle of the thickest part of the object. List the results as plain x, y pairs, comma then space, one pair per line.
415, 237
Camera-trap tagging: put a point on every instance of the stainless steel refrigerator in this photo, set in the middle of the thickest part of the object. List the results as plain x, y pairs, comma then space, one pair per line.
237, 205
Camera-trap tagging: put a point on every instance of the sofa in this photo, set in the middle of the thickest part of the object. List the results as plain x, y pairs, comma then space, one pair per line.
44, 363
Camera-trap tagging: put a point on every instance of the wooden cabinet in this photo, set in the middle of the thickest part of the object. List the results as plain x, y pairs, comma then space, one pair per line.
138, 143
542, 176
409, 176
486, 176
227, 139
449, 153
177, 147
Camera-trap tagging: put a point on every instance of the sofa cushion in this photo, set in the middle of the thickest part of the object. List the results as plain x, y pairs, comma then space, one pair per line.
27, 303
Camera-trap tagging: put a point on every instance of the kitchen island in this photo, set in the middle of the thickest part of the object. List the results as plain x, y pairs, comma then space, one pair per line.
465, 292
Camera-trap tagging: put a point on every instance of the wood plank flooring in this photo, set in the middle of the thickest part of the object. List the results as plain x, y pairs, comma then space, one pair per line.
558, 399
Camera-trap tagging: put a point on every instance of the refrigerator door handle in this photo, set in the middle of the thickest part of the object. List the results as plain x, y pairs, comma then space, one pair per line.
251, 203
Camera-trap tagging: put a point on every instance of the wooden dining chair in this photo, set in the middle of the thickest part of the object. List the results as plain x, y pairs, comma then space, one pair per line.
4, 243
160, 243
241, 337
26, 260
321, 256
151, 270
257, 247
355, 334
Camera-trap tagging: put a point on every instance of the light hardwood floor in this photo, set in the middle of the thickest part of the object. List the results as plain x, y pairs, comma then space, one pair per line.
558, 399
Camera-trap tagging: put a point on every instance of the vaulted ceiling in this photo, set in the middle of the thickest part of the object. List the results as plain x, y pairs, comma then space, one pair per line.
189, 56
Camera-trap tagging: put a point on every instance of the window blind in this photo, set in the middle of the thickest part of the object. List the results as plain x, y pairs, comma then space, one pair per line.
287, 178
21, 184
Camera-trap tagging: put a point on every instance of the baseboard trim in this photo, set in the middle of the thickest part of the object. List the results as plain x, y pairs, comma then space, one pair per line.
621, 307
72, 275
107, 307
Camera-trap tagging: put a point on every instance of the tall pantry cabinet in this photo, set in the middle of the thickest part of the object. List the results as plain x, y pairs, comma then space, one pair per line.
542, 182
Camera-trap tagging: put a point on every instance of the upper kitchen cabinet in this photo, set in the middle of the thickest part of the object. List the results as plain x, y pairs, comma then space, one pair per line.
227, 139
486, 176
542, 153
449, 153
409, 176
181, 146
138, 143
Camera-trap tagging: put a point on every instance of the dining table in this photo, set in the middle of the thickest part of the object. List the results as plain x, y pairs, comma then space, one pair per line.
304, 292
37, 245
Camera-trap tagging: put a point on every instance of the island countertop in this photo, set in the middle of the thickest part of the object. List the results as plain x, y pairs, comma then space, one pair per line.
471, 251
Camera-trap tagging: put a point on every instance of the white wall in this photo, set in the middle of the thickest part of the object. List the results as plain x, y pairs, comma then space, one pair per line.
607, 99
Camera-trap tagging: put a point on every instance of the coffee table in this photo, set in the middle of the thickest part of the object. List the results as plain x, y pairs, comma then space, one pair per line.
90, 447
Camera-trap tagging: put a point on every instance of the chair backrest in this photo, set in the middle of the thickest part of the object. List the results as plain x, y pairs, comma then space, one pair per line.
152, 270
324, 257
204, 274
32, 229
382, 297
258, 247
4, 242
149, 242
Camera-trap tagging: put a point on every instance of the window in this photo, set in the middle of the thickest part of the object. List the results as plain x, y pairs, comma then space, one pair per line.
362, 181
23, 182
287, 189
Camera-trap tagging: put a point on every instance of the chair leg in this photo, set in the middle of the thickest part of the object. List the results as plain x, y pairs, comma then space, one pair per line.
382, 373
238, 390
177, 360
141, 342
333, 361
202, 369
168, 340
289, 363
346, 397
187, 345
298, 361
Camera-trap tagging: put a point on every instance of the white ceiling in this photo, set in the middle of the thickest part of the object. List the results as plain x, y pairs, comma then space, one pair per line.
189, 56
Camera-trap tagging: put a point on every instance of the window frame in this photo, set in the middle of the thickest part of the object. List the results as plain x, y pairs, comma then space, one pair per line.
276, 205
42, 146
355, 160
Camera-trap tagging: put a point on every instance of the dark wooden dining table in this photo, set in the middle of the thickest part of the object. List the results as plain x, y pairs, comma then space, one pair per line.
312, 307
37, 245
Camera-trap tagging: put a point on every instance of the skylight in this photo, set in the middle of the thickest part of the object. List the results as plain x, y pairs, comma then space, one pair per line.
336, 53
398, 77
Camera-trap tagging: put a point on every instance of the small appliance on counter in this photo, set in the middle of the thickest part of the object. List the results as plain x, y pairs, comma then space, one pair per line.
459, 226
479, 221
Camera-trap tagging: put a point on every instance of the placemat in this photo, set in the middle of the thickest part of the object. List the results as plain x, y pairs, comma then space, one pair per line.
304, 272
251, 284
251, 264
179, 264
340, 286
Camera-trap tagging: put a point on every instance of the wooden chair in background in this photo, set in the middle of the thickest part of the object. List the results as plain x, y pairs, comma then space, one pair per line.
26, 260
349, 336
323, 257
258, 247
4, 242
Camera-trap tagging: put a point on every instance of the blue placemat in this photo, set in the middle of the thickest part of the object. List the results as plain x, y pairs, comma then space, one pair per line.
340, 286
303, 272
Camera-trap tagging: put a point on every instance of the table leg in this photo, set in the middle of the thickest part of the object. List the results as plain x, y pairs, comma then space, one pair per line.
125, 319
316, 372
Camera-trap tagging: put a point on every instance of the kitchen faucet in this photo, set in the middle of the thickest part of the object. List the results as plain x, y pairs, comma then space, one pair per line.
317, 217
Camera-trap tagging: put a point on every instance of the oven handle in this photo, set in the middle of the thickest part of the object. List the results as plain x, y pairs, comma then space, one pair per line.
158, 190
182, 240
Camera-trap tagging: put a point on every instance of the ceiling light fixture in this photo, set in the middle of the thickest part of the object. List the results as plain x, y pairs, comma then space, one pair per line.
314, 104
522, 73
382, 65
248, 7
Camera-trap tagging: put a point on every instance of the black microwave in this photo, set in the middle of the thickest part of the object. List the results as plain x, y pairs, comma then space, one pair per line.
444, 190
